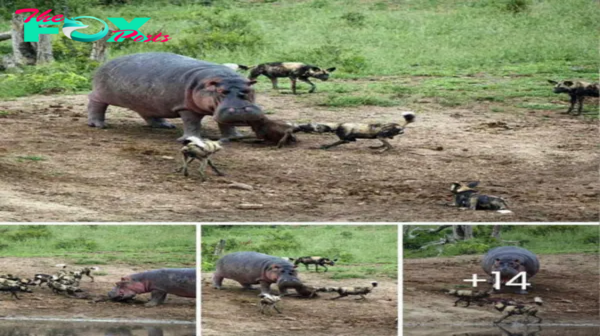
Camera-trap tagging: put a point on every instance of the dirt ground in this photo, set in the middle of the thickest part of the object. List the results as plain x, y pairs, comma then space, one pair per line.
43, 303
545, 165
233, 311
567, 283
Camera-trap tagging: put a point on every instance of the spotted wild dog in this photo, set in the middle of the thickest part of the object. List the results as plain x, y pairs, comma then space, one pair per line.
197, 149
577, 90
349, 132
465, 196
317, 261
268, 302
345, 291
59, 288
13, 287
468, 296
87, 271
293, 70
517, 309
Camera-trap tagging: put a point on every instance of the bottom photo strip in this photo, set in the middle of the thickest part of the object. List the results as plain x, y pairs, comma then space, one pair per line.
299, 279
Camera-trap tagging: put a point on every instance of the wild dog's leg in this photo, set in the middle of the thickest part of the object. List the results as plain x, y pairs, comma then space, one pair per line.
306, 266
337, 143
386, 144
274, 82
580, 102
277, 309
317, 268
293, 79
502, 319
157, 297
468, 301
362, 297
186, 162
210, 163
262, 308
14, 294
457, 301
325, 267
573, 100
473, 202
284, 139
202, 169
312, 86
339, 297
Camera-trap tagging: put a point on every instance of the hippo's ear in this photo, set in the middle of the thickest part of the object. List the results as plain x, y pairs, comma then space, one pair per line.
273, 267
252, 82
210, 85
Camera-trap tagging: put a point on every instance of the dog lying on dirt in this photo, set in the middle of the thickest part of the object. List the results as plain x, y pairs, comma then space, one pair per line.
196, 149
469, 296
317, 261
292, 70
465, 196
349, 132
577, 90
345, 291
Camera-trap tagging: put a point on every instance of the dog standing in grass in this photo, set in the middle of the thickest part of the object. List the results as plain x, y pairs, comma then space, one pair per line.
293, 70
577, 90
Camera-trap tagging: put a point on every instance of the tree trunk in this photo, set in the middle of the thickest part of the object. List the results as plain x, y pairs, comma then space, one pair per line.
462, 232
29, 53
5, 36
468, 230
220, 247
496, 232
100, 49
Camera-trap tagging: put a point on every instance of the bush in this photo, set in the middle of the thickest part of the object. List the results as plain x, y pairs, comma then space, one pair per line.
542, 230
278, 241
48, 79
466, 247
354, 19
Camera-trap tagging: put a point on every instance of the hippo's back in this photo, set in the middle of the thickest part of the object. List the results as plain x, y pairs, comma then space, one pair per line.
152, 82
527, 258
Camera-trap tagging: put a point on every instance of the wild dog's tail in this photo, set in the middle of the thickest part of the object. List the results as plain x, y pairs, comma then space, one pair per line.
374, 284
61, 265
409, 117
95, 268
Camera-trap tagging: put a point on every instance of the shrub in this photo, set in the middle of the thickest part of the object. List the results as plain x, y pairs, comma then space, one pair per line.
77, 244
29, 232
48, 79
354, 19
278, 241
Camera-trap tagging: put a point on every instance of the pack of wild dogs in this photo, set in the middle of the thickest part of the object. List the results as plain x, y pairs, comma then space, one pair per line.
284, 133
270, 301
63, 282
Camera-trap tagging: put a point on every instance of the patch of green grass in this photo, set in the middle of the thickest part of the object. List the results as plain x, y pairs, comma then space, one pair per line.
354, 101
31, 158
5, 113
152, 245
362, 251
540, 239
541, 106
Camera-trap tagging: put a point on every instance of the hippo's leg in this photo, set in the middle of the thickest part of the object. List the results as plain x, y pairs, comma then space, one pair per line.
217, 280
265, 287
158, 123
157, 297
96, 114
191, 124
229, 132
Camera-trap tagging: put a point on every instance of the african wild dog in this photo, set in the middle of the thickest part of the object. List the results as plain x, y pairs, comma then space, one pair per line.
269, 302
468, 296
197, 149
59, 287
465, 196
345, 291
87, 271
577, 91
293, 70
349, 132
317, 261
517, 309
13, 288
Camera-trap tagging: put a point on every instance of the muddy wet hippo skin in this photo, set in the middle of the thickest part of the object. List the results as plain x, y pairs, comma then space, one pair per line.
176, 281
165, 85
509, 261
250, 268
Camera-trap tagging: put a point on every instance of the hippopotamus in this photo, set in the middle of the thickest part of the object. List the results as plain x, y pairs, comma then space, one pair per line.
250, 268
166, 85
176, 281
509, 261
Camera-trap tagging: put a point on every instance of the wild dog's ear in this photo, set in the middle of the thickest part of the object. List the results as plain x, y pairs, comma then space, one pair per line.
187, 141
568, 83
454, 187
295, 266
553, 82
330, 69
334, 259
251, 82
473, 184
